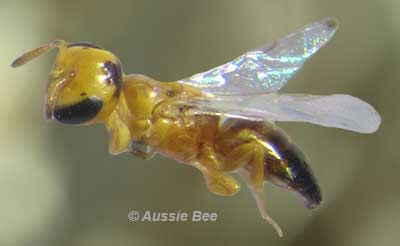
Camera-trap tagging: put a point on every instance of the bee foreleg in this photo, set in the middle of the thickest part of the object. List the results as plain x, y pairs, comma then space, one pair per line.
120, 136
217, 181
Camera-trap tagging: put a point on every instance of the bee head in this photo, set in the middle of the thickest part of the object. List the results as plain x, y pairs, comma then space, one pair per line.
84, 85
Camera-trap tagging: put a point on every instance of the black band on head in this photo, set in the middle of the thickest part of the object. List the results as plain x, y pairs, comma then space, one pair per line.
79, 113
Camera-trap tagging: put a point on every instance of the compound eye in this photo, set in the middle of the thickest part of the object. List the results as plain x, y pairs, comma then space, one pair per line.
78, 113
84, 44
113, 73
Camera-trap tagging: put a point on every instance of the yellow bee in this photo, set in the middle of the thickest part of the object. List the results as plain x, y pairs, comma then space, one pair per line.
219, 121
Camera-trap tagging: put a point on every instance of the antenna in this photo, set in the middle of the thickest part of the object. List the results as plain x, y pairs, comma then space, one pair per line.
26, 57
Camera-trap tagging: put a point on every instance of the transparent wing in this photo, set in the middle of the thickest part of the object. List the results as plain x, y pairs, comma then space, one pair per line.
340, 111
268, 68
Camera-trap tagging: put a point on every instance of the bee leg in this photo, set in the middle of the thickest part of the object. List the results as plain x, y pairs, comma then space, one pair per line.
138, 148
257, 168
255, 181
120, 137
240, 156
217, 181
252, 155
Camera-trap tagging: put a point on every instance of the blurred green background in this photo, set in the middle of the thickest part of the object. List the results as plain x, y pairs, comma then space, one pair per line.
58, 184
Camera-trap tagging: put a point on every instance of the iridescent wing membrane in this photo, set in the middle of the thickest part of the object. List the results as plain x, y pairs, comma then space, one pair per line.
246, 87
268, 68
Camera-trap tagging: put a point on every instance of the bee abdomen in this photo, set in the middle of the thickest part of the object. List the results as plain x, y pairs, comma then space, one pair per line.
288, 168
285, 164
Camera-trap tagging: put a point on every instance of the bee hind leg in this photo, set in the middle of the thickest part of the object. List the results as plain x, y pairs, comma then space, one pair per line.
217, 181
254, 179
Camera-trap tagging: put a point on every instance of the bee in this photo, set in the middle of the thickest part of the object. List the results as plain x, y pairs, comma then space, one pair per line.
220, 121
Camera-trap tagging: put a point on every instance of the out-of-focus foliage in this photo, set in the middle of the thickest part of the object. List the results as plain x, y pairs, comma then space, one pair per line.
59, 185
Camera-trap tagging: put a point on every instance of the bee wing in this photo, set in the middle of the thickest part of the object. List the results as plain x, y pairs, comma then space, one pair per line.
340, 111
266, 69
